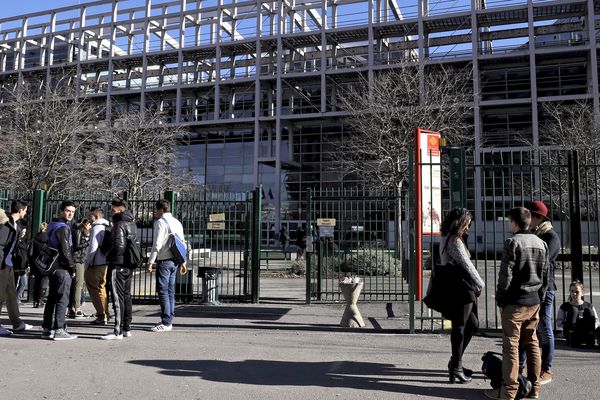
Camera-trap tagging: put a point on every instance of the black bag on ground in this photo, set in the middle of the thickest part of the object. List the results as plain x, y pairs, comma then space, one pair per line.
492, 369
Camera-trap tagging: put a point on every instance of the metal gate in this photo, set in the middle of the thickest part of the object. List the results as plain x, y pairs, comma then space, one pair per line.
362, 244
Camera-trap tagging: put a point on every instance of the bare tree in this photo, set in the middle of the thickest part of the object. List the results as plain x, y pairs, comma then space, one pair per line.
570, 126
384, 113
44, 132
140, 153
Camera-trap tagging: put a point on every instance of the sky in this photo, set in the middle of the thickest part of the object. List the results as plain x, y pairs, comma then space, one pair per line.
10, 8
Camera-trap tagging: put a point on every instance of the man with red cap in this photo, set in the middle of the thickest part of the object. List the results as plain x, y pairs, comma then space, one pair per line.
542, 227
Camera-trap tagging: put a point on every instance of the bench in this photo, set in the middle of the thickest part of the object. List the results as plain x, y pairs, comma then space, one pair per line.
276, 255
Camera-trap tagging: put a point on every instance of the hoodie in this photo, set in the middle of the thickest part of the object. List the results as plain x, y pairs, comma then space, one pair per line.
94, 255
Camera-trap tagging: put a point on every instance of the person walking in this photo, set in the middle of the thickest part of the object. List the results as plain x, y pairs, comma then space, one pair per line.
521, 287
21, 265
95, 265
40, 282
462, 291
9, 236
167, 267
81, 235
123, 233
300, 242
59, 237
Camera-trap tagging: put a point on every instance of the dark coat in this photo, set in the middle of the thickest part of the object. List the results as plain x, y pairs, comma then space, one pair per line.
123, 229
8, 233
60, 238
553, 242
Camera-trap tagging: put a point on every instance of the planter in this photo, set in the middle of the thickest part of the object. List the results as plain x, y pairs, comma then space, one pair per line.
351, 317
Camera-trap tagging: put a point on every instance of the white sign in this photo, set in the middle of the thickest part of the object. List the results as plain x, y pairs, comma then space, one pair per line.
431, 182
325, 221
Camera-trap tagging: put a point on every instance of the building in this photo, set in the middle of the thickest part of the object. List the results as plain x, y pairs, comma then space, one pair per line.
256, 82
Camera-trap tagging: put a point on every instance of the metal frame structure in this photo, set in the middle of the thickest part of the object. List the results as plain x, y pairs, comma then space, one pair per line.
269, 73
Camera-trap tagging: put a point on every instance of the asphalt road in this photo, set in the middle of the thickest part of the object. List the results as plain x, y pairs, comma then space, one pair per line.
258, 352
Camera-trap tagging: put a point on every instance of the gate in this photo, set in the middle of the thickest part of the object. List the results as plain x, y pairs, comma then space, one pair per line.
220, 229
361, 244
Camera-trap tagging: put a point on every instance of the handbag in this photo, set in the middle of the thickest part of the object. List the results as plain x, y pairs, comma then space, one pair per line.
436, 298
177, 246
46, 260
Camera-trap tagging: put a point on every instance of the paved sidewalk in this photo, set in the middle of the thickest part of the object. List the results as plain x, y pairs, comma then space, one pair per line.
257, 352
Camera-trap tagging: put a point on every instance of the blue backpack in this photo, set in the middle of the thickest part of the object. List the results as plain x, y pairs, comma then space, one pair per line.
176, 245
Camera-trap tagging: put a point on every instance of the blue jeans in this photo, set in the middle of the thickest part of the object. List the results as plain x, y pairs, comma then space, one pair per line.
545, 329
545, 332
22, 282
165, 283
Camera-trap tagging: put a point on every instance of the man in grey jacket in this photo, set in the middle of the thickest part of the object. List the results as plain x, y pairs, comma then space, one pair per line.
95, 266
522, 284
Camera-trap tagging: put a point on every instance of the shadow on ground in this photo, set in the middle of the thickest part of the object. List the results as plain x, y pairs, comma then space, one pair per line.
338, 374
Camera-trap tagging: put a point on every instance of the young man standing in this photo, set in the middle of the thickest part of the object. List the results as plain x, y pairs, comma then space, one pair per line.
59, 237
95, 266
522, 283
9, 237
124, 232
542, 227
165, 224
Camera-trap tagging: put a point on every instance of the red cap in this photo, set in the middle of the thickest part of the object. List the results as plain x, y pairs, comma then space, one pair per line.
538, 208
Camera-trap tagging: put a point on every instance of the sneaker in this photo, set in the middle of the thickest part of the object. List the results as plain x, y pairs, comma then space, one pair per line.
62, 334
4, 331
99, 321
162, 328
48, 334
112, 336
71, 314
79, 315
545, 377
23, 327
127, 334
533, 394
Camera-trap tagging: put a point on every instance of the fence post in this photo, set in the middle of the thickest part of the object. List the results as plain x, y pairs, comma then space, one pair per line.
575, 217
39, 200
256, 211
308, 237
411, 244
170, 195
458, 183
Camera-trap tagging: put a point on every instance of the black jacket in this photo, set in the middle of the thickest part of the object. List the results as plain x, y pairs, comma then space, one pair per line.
20, 259
123, 229
62, 242
553, 241
80, 245
8, 233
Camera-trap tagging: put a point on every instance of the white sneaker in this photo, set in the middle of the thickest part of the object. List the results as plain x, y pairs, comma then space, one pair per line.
162, 328
4, 331
23, 327
112, 336
127, 334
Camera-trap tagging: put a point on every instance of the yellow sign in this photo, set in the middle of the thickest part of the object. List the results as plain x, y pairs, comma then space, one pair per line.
325, 221
216, 226
216, 217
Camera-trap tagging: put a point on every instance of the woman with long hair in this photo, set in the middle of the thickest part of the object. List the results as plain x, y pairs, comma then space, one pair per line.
462, 290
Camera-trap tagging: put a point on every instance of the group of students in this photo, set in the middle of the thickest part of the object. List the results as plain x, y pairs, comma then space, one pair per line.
97, 253
525, 294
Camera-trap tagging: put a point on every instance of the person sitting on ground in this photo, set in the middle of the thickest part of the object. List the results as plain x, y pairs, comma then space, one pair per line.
578, 318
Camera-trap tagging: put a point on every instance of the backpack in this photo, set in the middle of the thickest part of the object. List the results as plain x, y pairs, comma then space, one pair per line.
492, 369
46, 261
133, 255
106, 244
176, 245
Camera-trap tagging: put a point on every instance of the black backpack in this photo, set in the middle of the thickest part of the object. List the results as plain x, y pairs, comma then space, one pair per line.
492, 369
132, 256
106, 244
